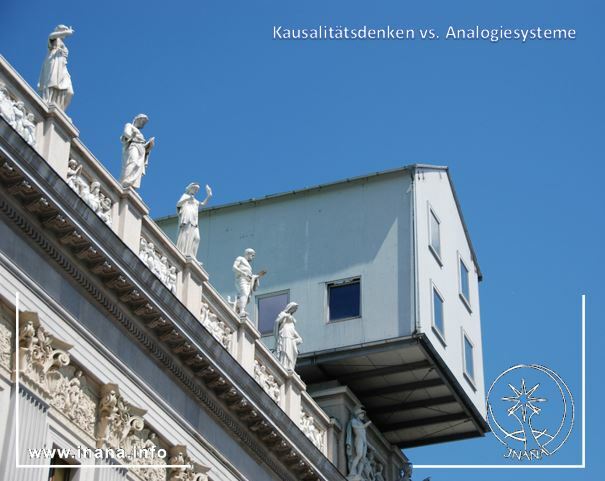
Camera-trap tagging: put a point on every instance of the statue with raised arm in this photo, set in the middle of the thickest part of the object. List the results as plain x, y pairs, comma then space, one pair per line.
55, 82
245, 282
188, 208
135, 152
357, 443
286, 337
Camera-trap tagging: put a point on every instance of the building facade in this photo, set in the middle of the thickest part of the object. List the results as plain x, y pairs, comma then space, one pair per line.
388, 285
117, 351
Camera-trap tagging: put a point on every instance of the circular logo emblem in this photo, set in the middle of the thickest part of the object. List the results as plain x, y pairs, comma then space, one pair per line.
531, 411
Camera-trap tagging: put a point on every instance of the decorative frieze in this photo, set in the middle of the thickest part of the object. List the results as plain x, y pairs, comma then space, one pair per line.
6, 340
193, 471
75, 398
89, 192
147, 445
118, 420
15, 113
40, 356
266, 380
312, 431
158, 264
221, 332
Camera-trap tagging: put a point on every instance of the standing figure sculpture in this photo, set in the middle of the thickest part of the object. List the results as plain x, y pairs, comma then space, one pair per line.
135, 152
188, 208
357, 443
286, 337
55, 82
245, 282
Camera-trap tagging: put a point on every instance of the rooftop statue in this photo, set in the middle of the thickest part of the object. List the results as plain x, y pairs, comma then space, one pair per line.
188, 210
286, 337
135, 152
245, 282
357, 443
55, 82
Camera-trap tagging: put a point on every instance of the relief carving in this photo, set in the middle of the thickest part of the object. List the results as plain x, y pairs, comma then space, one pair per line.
193, 472
311, 430
118, 420
75, 398
266, 380
221, 332
89, 192
158, 264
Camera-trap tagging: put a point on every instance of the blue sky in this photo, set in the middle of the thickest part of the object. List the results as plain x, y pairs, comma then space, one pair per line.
520, 125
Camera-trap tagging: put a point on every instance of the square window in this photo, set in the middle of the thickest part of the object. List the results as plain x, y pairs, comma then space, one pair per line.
268, 308
438, 321
469, 367
344, 300
435, 234
464, 282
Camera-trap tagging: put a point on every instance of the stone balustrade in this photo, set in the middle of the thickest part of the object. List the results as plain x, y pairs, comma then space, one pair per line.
55, 138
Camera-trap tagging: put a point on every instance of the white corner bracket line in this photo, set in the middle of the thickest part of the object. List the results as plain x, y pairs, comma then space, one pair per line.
67, 466
537, 466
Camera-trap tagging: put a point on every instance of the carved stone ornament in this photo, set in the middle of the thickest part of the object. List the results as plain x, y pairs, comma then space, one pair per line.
76, 399
311, 430
40, 356
118, 420
145, 447
15, 113
193, 471
158, 264
89, 192
266, 380
221, 332
7, 327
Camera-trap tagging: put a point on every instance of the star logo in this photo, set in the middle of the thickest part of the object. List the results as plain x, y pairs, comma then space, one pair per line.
524, 400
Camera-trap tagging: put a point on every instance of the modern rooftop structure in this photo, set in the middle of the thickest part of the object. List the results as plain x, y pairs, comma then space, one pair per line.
386, 277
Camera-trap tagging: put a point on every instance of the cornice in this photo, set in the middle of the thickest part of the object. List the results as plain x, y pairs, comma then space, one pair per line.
70, 234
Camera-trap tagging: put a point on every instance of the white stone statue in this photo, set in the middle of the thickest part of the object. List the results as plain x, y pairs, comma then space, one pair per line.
357, 443
7, 110
55, 82
286, 337
245, 282
135, 152
188, 210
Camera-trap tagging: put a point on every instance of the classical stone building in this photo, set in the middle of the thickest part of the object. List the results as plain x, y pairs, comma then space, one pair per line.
115, 349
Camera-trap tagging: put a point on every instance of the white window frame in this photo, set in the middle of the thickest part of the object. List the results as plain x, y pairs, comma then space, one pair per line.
465, 301
437, 255
440, 335
468, 376
259, 297
340, 282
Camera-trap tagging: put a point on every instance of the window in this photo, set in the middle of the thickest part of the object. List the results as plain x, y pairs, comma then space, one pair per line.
469, 367
438, 320
59, 473
268, 308
464, 283
435, 235
344, 300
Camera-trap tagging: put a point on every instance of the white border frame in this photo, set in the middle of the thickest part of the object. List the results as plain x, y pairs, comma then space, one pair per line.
537, 466
69, 466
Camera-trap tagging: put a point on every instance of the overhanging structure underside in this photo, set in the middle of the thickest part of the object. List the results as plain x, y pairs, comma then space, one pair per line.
411, 397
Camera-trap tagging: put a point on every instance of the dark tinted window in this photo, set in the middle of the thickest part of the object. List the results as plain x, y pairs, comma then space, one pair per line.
344, 300
268, 309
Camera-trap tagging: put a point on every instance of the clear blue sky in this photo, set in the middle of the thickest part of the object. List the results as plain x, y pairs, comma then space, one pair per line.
520, 125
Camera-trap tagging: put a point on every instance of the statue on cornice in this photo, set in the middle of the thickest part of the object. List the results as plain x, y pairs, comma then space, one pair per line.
245, 282
357, 443
188, 210
135, 152
287, 338
55, 82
